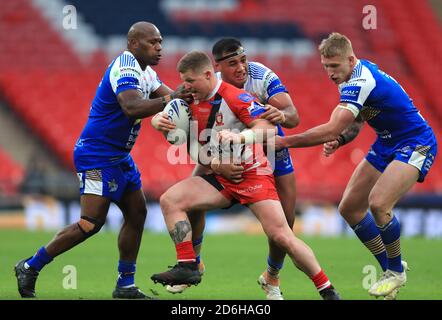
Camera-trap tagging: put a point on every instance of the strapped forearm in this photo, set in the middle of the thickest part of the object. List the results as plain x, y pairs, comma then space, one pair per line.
260, 132
350, 133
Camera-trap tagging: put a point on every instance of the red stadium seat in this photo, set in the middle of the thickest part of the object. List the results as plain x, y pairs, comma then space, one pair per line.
54, 94
11, 174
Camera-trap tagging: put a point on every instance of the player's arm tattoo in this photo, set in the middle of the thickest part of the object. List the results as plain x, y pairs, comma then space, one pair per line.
180, 231
350, 132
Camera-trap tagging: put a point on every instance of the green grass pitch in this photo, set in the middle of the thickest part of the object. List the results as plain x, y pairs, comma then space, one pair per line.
233, 264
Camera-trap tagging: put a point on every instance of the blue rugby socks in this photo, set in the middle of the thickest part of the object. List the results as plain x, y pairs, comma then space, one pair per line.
273, 267
126, 274
391, 233
368, 232
39, 260
197, 243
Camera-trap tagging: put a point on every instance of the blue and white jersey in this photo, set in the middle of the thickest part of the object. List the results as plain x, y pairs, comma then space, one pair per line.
381, 101
262, 82
109, 134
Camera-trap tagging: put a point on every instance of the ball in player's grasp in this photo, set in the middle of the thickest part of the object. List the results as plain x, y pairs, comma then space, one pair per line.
178, 112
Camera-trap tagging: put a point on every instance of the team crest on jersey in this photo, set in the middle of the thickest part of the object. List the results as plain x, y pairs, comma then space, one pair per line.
219, 119
246, 97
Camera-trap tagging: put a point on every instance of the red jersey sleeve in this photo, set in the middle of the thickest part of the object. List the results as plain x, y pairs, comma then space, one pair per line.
243, 104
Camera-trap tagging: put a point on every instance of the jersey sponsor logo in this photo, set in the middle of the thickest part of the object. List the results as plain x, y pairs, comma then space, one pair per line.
214, 102
134, 132
126, 69
250, 189
350, 93
245, 97
384, 134
269, 79
276, 87
356, 80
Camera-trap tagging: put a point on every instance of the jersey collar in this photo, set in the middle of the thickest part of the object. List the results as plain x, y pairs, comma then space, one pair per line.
215, 90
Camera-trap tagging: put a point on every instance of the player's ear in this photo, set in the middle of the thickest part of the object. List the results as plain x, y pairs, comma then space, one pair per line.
352, 59
133, 43
208, 74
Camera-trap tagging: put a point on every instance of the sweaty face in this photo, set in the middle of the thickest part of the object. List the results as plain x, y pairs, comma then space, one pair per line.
234, 70
149, 48
198, 83
339, 68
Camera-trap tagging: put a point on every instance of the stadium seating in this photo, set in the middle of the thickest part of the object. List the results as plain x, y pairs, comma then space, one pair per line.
11, 174
51, 88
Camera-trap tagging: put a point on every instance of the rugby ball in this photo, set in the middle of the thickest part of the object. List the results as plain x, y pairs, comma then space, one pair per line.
178, 112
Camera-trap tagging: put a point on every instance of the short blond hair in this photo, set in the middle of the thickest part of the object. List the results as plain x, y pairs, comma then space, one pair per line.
335, 45
194, 61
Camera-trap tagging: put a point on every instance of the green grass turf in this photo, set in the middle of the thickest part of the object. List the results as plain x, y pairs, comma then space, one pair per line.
233, 263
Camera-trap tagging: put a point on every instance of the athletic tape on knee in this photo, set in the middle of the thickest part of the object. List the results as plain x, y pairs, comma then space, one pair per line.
89, 226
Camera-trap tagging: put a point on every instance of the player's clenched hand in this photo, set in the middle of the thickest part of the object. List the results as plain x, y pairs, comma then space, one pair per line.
274, 115
330, 147
230, 171
280, 143
227, 137
161, 122
182, 93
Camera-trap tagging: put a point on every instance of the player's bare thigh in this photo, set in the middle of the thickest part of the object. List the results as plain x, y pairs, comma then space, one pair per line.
193, 193
197, 218
269, 213
398, 178
271, 216
133, 206
94, 206
354, 203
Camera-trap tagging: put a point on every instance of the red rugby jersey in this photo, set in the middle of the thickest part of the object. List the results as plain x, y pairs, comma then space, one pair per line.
236, 110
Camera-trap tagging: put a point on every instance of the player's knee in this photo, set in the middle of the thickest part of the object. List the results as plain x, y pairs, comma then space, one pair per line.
142, 212
89, 226
345, 209
168, 203
279, 237
378, 208
196, 218
378, 205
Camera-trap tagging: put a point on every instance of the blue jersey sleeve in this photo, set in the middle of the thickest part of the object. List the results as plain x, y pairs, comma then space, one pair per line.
125, 74
275, 86
127, 82
356, 91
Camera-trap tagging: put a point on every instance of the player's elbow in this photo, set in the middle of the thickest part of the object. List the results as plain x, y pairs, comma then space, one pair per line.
332, 132
129, 110
292, 121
